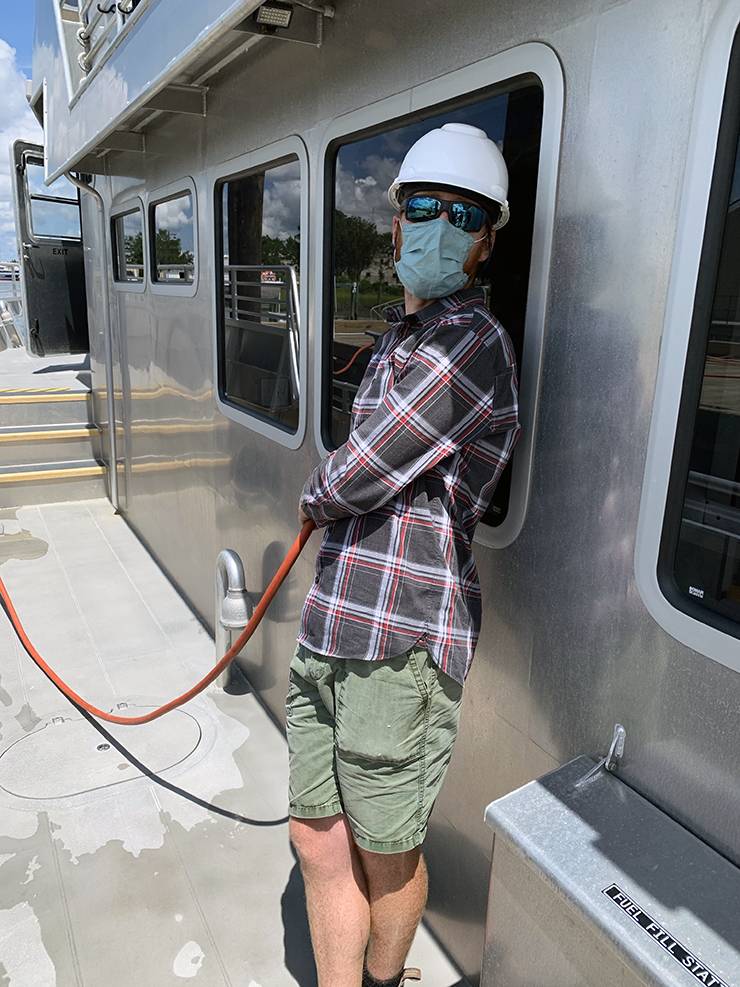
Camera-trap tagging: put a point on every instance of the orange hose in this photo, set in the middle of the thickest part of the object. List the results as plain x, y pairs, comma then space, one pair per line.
345, 368
259, 611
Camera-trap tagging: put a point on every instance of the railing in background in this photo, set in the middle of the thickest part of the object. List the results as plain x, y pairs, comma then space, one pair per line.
267, 296
100, 23
11, 308
134, 273
171, 273
10, 285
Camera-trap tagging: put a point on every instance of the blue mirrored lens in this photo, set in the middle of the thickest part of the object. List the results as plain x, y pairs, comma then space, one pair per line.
463, 215
420, 207
466, 216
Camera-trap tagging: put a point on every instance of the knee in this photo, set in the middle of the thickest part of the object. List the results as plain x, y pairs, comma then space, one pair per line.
322, 845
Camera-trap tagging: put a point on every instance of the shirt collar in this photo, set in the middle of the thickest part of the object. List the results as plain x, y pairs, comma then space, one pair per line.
435, 309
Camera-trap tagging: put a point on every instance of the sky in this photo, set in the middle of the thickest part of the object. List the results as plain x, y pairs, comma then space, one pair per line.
16, 118
366, 167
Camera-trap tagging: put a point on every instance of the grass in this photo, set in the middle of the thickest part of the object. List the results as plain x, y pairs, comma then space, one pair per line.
368, 296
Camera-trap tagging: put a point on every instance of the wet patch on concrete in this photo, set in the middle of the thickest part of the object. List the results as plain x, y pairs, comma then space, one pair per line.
26, 718
20, 544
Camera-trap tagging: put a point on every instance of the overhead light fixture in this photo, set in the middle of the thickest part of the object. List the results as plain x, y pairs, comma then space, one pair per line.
274, 15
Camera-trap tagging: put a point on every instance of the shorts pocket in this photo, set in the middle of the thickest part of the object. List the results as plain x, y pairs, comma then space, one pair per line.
382, 710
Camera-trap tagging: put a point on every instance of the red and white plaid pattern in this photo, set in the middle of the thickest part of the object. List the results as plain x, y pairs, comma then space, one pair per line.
434, 423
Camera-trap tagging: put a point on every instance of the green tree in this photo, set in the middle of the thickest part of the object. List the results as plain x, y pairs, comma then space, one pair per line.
356, 244
134, 249
292, 250
168, 249
277, 251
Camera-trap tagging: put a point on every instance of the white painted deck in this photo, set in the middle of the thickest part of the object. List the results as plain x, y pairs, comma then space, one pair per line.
143, 856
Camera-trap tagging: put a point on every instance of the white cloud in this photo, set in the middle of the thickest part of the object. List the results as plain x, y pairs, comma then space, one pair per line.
366, 195
281, 207
174, 213
16, 120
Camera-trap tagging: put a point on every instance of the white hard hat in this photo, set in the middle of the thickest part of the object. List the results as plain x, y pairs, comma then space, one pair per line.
459, 156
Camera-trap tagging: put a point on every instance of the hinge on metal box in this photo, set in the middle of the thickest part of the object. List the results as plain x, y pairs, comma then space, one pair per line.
612, 759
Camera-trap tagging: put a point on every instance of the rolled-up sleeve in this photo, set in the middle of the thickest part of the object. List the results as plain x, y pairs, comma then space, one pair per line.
452, 391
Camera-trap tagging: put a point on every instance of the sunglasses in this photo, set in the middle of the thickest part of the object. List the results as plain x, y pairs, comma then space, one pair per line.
463, 215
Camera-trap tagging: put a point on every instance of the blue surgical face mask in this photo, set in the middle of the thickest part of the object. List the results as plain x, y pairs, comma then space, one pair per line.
432, 258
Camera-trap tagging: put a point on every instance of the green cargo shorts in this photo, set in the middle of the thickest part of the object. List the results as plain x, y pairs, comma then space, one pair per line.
372, 740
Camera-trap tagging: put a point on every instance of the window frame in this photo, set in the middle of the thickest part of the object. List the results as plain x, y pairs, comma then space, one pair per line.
173, 190
34, 159
690, 293
262, 158
537, 61
126, 208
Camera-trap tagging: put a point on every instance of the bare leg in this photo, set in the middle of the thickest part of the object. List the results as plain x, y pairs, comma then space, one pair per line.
397, 887
336, 896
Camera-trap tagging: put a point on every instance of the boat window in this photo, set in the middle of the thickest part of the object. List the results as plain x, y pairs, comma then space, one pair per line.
128, 247
258, 251
55, 209
171, 231
700, 551
363, 282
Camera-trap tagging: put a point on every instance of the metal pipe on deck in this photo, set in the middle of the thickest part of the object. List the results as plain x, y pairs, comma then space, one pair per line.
113, 455
233, 605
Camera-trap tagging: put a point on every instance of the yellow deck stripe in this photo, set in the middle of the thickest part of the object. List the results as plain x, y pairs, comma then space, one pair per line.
26, 476
42, 397
33, 390
49, 434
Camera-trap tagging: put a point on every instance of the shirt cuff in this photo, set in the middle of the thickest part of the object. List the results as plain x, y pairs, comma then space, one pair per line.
315, 512
311, 505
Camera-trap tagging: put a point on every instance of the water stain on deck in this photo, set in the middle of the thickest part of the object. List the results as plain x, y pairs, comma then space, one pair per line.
19, 543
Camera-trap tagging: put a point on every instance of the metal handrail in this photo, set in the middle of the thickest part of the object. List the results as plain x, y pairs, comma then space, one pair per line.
89, 24
87, 58
290, 317
717, 484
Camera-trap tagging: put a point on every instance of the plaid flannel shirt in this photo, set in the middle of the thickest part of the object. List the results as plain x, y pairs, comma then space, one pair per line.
433, 424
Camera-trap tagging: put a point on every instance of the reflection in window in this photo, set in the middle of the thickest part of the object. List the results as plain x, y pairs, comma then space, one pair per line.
707, 560
128, 247
62, 188
55, 209
172, 240
364, 282
258, 327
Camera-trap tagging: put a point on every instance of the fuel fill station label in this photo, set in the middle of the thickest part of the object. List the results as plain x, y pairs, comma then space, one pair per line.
664, 939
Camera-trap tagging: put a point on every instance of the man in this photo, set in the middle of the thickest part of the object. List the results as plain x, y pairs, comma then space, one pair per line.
390, 624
